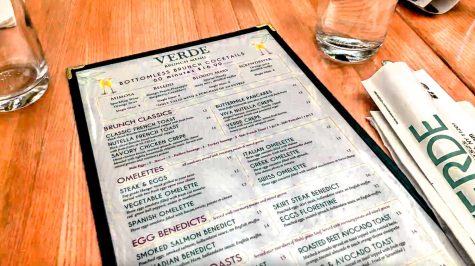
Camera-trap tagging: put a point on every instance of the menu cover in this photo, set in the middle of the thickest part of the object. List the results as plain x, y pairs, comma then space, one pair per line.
228, 150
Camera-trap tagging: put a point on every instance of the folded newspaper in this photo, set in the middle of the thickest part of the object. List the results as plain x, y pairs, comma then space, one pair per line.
432, 139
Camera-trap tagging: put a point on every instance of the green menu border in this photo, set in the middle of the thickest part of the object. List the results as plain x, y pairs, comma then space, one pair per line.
97, 203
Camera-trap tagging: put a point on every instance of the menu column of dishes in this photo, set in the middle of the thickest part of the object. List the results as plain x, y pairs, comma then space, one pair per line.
224, 152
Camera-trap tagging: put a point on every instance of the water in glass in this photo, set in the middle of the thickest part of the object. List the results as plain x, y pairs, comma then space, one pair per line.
352, 30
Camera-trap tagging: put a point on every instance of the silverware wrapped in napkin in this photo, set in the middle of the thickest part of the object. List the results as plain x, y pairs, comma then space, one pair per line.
432, 139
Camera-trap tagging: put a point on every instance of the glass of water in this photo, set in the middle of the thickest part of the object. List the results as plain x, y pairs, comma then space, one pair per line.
23, 70
352, 31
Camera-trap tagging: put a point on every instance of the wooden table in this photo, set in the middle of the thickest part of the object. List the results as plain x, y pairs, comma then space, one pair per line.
45, 213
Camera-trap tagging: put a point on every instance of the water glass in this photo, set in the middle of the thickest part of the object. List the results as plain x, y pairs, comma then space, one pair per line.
352, 31
23, 70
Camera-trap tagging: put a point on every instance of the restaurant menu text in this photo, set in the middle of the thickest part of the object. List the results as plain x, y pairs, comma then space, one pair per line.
225, 153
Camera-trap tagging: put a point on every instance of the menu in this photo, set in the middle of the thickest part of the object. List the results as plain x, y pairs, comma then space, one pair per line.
228, 151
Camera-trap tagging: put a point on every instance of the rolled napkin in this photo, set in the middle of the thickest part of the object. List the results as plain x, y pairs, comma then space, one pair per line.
7, 17
434, 6
434, 137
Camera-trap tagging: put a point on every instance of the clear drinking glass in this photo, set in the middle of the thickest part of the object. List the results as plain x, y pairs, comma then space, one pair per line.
352, 30
23, 70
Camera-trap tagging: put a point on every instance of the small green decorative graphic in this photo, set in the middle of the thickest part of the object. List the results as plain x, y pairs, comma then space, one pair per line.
105, 83
260, 44
90, 78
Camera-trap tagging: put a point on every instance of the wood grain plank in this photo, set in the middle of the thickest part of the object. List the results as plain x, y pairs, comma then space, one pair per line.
451, 36
224, 15
206, 26
51, 169
245, 14
214, 17
184, 21
151, 27
21, 190
77, 240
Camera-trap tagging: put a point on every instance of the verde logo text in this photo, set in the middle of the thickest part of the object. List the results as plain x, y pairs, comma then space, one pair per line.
456, 164
182, 54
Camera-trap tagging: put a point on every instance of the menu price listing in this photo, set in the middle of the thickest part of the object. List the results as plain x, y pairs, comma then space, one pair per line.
225, 153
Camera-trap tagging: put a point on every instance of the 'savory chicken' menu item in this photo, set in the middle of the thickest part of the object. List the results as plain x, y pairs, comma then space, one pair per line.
229, 151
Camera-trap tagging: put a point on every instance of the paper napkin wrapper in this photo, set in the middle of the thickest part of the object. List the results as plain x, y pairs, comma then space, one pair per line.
409, 103
7, 17
434, 6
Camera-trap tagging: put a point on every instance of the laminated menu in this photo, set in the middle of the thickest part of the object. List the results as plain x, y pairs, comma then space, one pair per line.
229, 151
